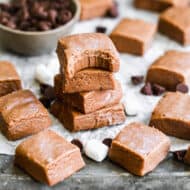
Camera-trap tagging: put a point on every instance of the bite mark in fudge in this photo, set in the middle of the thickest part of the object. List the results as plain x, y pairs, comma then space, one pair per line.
159, 5
171, 115
21, 114
76, 121
129, 38
48, 157
170, 70
139, 148
87, 80
87, 102
175, 24
92, 9
9, 78
90, 50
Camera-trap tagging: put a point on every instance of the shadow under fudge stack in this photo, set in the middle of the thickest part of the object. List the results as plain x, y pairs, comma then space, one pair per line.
88, 95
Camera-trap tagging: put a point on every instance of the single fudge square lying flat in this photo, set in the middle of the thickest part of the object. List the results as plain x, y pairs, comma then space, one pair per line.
84, 51
171, 115
48, 157
86, 80
175, 24
170, 70
9, 79
21, 114
87, 102
139, 148
129, 37
92, 9
76, 121
159, 5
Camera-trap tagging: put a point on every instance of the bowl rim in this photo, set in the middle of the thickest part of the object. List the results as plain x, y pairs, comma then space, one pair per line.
35, 33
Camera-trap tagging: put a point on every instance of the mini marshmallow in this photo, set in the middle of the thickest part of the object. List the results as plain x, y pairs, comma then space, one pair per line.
96, 150
130, 108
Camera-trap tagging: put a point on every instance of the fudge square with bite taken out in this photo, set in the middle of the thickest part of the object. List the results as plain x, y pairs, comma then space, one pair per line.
159, 5
129, 37
48, 157
21, 114
175, 24
9, 78
170, 69
171, 115
139, 148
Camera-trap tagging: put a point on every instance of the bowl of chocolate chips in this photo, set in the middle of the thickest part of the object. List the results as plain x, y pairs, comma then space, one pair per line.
32, 27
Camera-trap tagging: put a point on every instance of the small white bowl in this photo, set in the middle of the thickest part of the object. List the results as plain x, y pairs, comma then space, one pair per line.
36, 43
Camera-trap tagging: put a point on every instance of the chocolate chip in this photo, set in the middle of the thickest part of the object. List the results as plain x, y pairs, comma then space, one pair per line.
49, 93
101, 29
43, 87
179, 155
147, 89
137, 79
44, 25
113, 11
46, 102
65, 16
77, 143
107, 142
181, 87
52, 15
157, 89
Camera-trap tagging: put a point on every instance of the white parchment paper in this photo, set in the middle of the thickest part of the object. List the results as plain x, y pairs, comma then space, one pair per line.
130, 65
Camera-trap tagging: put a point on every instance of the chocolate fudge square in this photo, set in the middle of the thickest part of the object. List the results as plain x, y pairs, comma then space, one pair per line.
9, 78
139, 148
83, 51
48, 157
74, 121
170, 69
159, 5
175, 24
87, 102
86, 80
21, 114
171, 115
129, 37
92, 9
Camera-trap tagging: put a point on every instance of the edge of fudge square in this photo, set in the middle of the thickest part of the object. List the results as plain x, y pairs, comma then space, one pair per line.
21, 114
175, 24
159, 5
139, 148
170, 69
129, 37
9, 78
48, 157
92, 9
171, 115
90, 50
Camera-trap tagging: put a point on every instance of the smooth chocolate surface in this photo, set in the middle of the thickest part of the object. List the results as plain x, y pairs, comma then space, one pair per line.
139, 148
92, 9
48, 157
21, 114
175, 24
86, 80
87, 102
170, 70
76, 121
159, 5
129, 37
9, 78
89, 50
171, 115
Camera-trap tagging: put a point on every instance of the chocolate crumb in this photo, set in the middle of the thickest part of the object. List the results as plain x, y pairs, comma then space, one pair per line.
137, 79
113, 11
101, 29
179, 155
181, 87
77, 143
147, 89
158, 90
107, 142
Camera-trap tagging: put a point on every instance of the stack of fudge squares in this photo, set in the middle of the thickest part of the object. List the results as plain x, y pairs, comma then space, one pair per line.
88, 95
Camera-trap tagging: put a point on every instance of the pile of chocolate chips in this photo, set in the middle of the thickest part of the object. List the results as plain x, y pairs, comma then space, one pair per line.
35, 15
